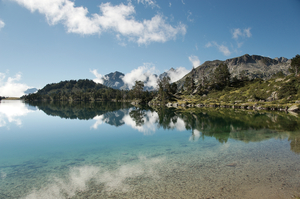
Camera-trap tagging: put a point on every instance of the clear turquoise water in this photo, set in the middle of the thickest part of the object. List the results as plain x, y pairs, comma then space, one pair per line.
119, 151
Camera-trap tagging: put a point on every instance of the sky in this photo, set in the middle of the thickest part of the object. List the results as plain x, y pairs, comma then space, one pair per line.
48, 41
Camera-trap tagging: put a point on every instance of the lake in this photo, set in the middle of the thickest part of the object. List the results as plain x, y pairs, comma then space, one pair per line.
115, 150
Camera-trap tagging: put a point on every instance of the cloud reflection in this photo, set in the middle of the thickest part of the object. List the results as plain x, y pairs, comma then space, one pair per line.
149, 122
147, 125
144, 121
195, 135
11, 111
113, 180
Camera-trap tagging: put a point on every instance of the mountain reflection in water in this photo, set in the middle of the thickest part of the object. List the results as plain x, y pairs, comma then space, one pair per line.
222, 124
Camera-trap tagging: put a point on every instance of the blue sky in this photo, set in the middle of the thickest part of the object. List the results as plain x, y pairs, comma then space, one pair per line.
47, 41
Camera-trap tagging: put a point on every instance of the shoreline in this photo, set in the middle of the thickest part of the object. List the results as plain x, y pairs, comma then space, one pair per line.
290, 107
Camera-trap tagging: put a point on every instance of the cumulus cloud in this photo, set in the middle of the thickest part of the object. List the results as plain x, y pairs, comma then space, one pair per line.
194, 60
117, 18
177, 74
143, 73
99, 78
2, 24
146, 73
10, 88
237, 32
222, 48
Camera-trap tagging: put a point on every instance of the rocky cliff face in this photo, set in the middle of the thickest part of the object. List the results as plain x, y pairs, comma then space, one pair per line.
254, 66
114, 80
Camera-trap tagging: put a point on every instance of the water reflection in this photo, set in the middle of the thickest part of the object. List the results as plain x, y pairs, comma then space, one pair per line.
11, 112
79, 179
222, 124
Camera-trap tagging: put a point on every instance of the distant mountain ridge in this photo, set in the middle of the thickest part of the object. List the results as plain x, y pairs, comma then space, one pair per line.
254, 66
30, 90
114, 80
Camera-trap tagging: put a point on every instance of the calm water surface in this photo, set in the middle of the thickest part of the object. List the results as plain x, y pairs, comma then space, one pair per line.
112, 150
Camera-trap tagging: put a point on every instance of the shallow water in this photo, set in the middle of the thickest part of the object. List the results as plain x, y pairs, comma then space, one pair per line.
109, 150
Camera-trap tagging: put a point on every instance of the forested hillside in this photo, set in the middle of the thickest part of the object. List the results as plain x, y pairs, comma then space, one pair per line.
83, 90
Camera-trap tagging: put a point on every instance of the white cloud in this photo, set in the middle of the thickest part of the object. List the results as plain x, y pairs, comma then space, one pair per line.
148, 3
182, 2
189, 16
10, 87
208, 45
2, 24
143, 73
222, 48
99, 78
247, 32
177, 74
237, 32
194, 60
118, 18
170, 4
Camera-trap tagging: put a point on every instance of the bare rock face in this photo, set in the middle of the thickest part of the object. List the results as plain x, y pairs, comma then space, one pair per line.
253, 66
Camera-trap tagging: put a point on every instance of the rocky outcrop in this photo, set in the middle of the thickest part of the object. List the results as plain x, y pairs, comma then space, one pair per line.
253, 66
294, 108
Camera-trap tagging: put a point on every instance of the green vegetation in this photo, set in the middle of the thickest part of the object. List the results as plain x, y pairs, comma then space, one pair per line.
87, 90
216, 88
295, 65
220, 89
238, 124
78, 110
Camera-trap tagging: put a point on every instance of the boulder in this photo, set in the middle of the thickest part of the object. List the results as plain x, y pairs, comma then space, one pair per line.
294, 108
169, 104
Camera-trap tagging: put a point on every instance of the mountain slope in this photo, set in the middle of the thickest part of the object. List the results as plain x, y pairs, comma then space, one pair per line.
114, 80
254, 66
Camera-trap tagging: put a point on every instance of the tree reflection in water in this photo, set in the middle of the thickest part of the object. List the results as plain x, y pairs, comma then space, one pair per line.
222, 124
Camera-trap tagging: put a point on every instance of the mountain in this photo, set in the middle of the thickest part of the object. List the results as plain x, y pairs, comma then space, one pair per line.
167, 73
114, 80
30, 90
253, 66
70, 86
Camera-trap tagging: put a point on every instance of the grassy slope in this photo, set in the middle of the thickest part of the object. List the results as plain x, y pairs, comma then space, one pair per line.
252, 93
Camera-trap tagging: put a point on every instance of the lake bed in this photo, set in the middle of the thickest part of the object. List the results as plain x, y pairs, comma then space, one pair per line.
112, 150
